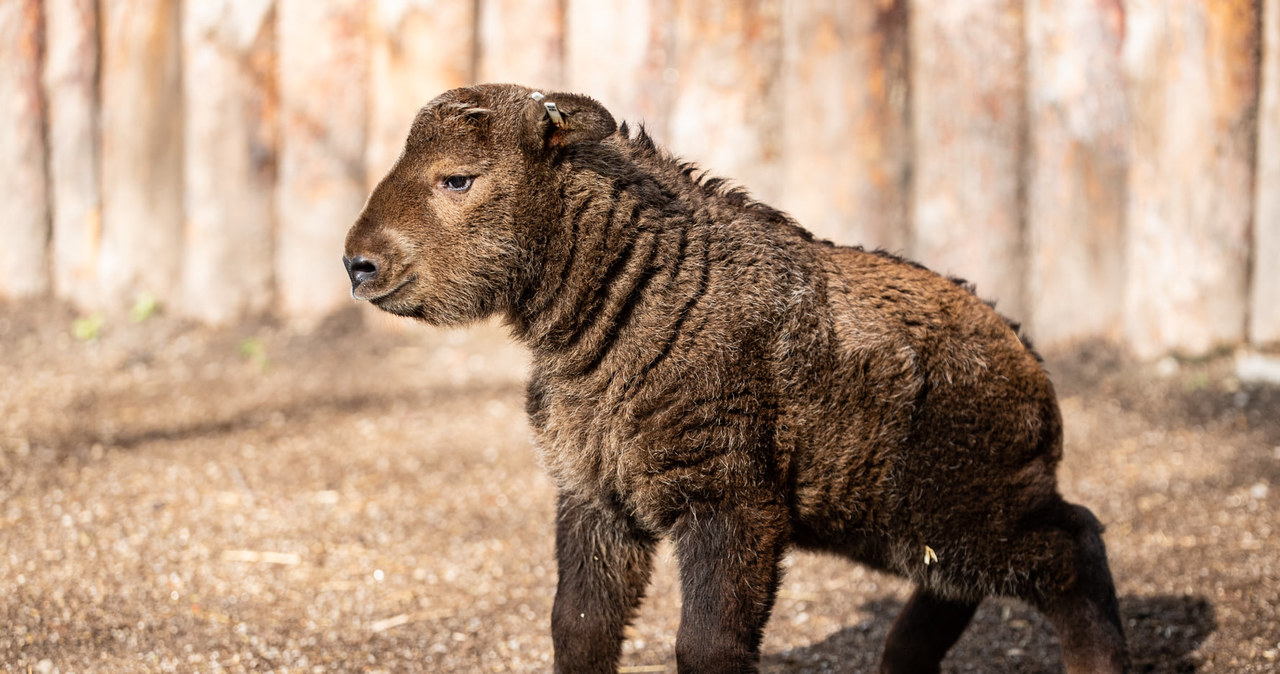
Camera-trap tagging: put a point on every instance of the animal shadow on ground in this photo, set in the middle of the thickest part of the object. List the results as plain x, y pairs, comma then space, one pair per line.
1164, 633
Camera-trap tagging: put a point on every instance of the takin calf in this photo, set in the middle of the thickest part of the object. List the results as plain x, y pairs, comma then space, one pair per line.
704, 370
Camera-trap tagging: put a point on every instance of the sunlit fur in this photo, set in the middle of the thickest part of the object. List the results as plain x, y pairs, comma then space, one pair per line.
704, 370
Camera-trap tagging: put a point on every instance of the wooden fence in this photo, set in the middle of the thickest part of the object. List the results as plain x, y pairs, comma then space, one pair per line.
1103, 168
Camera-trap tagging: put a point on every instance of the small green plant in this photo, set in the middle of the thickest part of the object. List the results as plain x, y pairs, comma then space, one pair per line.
144, 307
1198, 382
254, 350
88, 328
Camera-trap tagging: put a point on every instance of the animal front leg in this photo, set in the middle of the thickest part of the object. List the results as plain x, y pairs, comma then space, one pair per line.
729, 575
604, 563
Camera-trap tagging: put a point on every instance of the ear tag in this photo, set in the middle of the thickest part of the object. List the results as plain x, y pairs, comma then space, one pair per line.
556, 117
552, 111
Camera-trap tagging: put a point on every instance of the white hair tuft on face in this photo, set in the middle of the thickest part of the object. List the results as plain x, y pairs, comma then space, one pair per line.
466, 109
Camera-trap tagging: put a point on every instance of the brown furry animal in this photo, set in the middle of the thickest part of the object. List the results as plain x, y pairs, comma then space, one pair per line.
704, 370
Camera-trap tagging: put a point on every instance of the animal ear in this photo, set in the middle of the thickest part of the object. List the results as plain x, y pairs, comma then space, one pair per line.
560, 120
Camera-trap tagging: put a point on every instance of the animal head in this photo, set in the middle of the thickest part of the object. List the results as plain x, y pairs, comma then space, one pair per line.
461, 222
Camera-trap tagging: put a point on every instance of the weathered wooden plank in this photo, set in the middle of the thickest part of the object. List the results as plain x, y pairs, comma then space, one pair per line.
419, 49
228, 49
727, 109
1078, 163
24, 205
522, 41
633, 37
141, 150
846, 130
968, 74
323, 48
1264, 311
1192, 72
71, 95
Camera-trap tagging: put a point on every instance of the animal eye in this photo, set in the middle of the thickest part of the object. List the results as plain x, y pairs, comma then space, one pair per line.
456, 183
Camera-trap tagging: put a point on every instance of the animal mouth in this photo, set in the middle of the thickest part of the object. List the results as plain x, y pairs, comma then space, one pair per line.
386, 294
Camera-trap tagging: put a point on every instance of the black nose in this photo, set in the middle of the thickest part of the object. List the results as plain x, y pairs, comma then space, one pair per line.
360, 269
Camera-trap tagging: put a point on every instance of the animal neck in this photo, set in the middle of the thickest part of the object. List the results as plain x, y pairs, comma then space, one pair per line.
599, 267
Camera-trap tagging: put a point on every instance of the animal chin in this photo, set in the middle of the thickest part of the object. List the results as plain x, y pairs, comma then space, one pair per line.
405, 309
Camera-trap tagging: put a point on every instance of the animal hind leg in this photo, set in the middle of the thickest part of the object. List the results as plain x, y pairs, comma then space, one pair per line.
926, 629
1086, 614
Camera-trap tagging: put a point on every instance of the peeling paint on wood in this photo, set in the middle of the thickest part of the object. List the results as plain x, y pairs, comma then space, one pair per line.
1264, 311
522, 41
727, 113
230, 157
968, 76
845, 126
71, 94
1078, 164
141, 151
24, 204
1192, 83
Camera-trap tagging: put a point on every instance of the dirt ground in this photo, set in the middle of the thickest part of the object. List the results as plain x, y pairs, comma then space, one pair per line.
346, 499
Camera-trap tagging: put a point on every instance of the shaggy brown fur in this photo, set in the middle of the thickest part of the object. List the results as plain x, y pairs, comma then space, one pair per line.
704, 370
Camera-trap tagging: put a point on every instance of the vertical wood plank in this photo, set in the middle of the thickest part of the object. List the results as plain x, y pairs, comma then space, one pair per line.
324, 64
419, 49
522, 42
230, 156
727, 110
1264, 311
1192, 72
1077, 170
71, 94
24, 205
141, 150
968, 74
634, 38
846, 129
